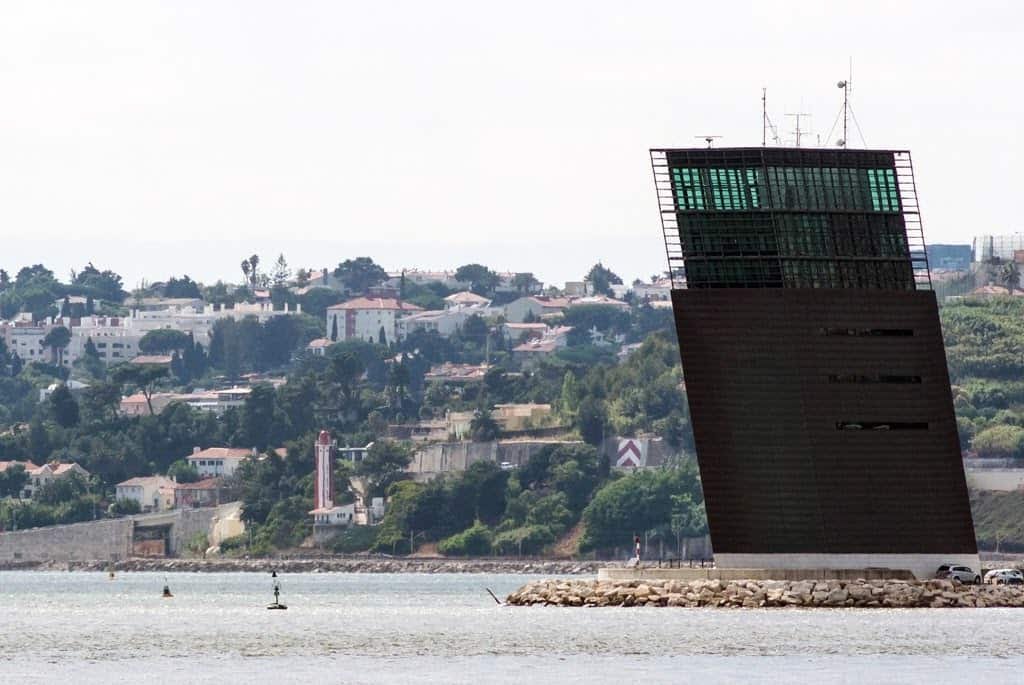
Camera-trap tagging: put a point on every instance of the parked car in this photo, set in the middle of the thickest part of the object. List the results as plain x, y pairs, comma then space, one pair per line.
1005, 576
964, 574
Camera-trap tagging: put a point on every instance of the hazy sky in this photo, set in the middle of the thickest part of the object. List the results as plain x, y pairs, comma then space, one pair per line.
159, 138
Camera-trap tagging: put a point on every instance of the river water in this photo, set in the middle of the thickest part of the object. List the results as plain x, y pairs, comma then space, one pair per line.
412, 628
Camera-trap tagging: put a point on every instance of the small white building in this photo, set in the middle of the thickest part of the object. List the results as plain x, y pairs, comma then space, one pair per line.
318, 347
343, 515
363, 318
218, 461
656, 290
153, 493
535, 307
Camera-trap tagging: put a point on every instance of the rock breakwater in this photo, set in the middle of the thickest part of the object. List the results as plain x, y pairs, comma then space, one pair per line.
321, 565
766, 593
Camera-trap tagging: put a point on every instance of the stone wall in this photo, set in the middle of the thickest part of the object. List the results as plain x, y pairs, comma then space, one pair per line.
110, 539
453, 457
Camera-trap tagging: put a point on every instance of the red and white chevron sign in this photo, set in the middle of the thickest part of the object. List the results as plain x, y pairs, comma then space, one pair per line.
630, 454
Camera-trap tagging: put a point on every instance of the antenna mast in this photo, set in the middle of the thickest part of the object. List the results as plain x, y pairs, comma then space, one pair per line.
766, 122
764, 117
798, 133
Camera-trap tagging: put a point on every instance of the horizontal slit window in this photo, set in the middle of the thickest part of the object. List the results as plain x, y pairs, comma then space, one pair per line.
871, 378
882, 425
869, 332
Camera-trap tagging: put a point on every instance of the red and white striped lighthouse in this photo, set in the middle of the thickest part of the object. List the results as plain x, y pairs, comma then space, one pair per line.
323, 493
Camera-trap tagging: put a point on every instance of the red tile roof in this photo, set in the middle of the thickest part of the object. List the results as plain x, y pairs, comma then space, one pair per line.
376, 303
221, 453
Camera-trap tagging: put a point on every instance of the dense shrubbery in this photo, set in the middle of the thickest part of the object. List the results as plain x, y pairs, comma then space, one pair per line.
985, 349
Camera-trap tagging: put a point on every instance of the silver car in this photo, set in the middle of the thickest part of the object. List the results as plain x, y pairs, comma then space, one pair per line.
1005, 576
965, 574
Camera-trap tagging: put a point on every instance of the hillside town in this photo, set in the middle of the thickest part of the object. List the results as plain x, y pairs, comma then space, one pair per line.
468, 411
183, 395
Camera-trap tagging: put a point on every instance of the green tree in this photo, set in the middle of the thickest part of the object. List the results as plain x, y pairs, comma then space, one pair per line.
360, 274
100, 402
569, 403
591, 420
483, 427
481, 280
282, 273
525, 283
142, 377
999, 442
104, 285
602, 279
639, 502
164, 341
259, 417
64, 407
183, 472
12, 480
383, 465
474, 541
57, 340
183, 287
1009, 276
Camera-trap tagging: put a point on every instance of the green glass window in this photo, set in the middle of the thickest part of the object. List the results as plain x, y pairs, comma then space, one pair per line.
882, 186
688, 189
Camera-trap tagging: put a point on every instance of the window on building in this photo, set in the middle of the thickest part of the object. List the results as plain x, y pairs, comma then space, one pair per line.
881, 425
872, 378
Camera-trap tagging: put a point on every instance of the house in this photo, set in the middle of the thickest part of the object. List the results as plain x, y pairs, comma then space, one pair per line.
519, 417
352, 454
136, 405
577, 288
529, 352
76, 388
465, 298
318, 347
535, 307
600, 300
445, 278
660, 289
218, 461
520, 332
153, 493
444, 322
203, 493
47, 473
26, 491
333, 516
458, 374
369, 319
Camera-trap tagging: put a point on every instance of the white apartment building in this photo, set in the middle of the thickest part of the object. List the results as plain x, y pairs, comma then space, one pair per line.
363, 318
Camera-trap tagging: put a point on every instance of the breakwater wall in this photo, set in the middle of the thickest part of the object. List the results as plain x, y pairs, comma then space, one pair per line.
755, 594
105, 539
322, 565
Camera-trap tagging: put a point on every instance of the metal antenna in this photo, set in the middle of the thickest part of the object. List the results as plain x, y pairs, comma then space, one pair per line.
708, 139
845, 85
764, 117
798, 133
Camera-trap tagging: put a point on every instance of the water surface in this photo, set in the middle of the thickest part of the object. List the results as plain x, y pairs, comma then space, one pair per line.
422, 628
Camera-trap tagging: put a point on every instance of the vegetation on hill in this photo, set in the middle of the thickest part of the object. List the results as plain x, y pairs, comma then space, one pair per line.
985, 351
